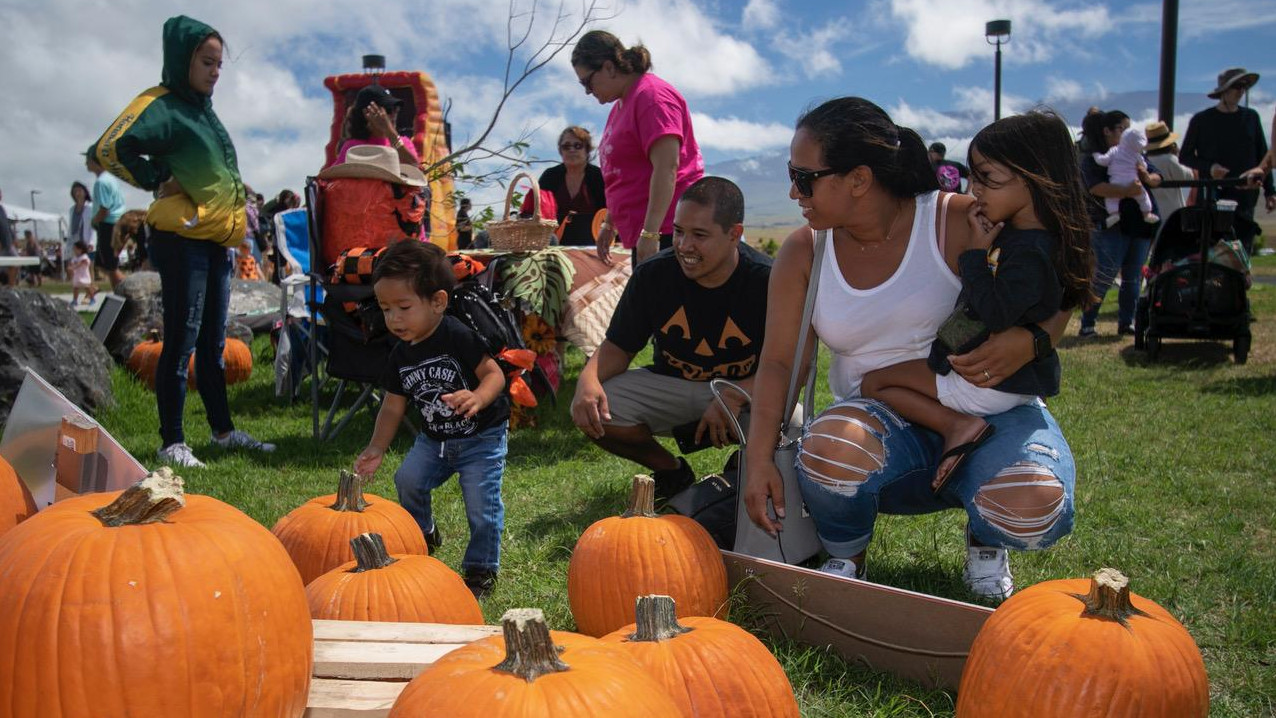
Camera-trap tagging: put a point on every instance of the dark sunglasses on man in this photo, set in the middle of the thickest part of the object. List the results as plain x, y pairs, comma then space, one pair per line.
802, 179
569, 146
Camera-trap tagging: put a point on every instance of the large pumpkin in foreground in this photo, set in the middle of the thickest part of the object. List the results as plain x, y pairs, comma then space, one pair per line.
407, 588
133, 604
711, 668
1076, 648
317, 534
637, 553
530, 671
16, 502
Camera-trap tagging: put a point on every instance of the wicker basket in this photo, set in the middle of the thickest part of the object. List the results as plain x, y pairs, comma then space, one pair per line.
522, 235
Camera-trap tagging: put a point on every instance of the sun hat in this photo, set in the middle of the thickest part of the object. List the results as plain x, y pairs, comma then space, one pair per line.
1232, 77
376, 94
1159, 136
376, 162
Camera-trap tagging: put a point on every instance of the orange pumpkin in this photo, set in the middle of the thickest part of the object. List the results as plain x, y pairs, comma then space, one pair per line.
1078, 647
317, 534
16, 502
149, 602
711, 668
379, 587
637, 553
532, 671
144, 359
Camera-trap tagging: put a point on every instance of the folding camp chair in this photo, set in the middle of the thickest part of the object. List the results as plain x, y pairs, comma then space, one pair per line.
292, 356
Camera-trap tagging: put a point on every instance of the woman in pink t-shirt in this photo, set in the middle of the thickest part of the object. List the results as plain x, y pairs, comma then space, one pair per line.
648, 150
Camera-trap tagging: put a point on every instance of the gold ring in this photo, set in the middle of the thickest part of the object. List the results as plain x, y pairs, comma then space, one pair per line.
987, 375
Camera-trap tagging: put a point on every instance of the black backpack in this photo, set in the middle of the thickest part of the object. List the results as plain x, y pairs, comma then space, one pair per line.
480, 309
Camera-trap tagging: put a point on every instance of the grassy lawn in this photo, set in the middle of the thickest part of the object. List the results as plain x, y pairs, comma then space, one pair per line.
1175, 488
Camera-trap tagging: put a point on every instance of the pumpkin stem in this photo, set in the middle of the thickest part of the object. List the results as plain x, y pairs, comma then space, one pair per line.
529, 650
642, 498
349, 493
1109, 597
657, 620
151, 500
369, 551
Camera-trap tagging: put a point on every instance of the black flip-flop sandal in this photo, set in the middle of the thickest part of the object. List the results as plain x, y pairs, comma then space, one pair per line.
960, 452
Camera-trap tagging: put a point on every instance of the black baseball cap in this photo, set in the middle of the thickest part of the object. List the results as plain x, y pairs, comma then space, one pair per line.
376, 94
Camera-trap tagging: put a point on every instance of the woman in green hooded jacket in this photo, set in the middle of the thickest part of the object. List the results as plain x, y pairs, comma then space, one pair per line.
169, 140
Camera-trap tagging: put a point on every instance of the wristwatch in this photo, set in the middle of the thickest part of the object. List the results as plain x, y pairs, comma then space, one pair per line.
1041, 345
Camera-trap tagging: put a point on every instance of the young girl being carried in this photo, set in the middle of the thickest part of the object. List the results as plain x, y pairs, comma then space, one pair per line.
1033, 259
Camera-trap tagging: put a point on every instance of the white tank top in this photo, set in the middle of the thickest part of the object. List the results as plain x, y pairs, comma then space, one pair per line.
895, 321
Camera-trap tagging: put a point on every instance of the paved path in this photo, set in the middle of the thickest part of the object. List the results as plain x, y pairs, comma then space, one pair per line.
82, 307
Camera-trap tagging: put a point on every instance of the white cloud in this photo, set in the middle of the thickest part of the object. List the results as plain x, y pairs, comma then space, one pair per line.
1059, 88
978, 103
732, 134
761, 14
925, 120
822, 50
951, 34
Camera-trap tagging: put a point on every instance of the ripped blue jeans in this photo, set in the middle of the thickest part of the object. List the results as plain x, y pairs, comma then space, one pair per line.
1016, 488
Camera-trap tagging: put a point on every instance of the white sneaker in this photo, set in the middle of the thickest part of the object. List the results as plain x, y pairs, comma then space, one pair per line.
179, 455
242, 440
988, 572
845, 568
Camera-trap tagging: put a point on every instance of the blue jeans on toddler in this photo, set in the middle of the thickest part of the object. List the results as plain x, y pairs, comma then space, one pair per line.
1027, 449
479, 462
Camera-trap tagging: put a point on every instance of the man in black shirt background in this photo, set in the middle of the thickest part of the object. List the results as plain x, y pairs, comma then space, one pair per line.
703, 305
1227, 140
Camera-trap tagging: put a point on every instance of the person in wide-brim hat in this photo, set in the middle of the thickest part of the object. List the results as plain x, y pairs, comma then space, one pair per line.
1159, 135
376, 162
1237, 77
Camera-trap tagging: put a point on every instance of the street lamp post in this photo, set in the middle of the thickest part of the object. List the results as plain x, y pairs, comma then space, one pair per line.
34, 192
997, 32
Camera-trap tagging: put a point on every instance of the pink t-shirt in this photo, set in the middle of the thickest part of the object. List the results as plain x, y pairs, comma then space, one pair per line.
345, 147
650, 110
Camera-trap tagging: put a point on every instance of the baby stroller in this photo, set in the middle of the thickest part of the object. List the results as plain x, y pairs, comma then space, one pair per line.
1198, 275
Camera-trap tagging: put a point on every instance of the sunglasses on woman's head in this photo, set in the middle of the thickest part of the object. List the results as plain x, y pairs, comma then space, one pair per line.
567, 146
803, 179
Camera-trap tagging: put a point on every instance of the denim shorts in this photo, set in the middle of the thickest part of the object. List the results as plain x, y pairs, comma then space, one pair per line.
1027, 441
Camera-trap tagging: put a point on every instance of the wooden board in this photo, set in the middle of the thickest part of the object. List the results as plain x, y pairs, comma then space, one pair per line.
913, 635
361, 666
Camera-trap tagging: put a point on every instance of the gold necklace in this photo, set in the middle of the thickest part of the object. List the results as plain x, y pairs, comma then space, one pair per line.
899, 209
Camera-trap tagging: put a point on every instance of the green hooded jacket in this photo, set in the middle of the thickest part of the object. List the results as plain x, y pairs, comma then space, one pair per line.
171, 131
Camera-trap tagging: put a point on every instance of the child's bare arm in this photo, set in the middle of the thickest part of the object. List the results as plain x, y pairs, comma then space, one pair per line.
491, 382
388, 418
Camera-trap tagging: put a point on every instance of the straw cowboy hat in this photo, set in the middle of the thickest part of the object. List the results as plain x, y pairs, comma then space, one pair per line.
1233, 77
1159, 136
376, 162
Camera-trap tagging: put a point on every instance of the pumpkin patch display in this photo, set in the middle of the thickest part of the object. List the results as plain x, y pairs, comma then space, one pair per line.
150, 602
1083, 647
16, 502
620, 558
532, 671
379, 587
317, 534
144, 359
711, 668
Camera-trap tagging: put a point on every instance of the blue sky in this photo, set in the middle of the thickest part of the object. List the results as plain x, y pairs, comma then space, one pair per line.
746, 68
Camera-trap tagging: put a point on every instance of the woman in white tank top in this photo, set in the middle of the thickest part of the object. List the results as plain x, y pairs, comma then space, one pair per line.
887, 282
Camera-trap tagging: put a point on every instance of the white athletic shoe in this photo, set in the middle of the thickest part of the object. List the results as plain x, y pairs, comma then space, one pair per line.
988, 572
179, 455
242, 440
845, 568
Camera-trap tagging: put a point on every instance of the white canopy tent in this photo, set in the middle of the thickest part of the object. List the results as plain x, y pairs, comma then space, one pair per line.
47, 226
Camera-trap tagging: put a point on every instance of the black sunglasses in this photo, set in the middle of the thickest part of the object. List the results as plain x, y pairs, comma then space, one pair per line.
566, 146
588, 80
803, 179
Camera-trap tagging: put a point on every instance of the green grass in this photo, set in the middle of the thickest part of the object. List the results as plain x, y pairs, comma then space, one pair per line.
1175, 488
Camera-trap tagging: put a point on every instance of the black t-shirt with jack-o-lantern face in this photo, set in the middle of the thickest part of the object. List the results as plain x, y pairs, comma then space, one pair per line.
698, 333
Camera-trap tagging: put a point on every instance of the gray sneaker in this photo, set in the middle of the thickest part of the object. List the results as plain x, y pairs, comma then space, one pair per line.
845, 568
179, 455
987, 572
242, 440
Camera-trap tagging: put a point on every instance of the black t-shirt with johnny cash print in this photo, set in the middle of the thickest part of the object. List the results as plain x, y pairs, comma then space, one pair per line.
698, 333
441, 364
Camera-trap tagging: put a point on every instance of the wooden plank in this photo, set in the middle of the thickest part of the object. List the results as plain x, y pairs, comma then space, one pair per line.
376, 661
351, 699
920, 637
384, 631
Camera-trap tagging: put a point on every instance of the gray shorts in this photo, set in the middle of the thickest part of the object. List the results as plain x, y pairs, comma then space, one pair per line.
660, 402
